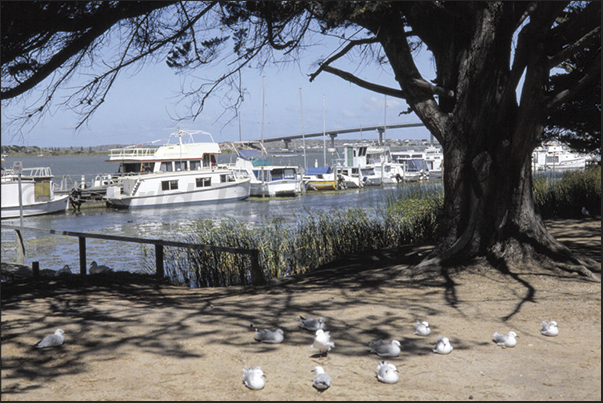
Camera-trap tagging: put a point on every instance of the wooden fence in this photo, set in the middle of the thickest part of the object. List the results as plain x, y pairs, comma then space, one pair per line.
256, 275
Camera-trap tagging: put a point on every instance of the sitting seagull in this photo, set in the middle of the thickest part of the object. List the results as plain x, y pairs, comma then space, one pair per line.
385, 349
549, 329
323, 342
312, 324
322, 380
443, 346
65, 271
387, 372
422, 328
253, 378
96, 269
505, 340
585, 212
53, 340
269, 336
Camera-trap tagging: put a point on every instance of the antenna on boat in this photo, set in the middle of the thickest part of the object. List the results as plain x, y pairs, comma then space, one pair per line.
324, 141
302, 121
263, 103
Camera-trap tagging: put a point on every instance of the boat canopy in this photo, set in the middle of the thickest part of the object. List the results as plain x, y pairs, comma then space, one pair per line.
255, 157
318, 170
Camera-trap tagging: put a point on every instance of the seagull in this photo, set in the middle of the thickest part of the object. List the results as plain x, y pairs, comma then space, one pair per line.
269, 336
385, 349
253, 378
312, 324
422, 328
322, 380
549, 329
65, 271
52, 340
95, 269
585, 212
443, 346
323, 342
505, 340
387, 372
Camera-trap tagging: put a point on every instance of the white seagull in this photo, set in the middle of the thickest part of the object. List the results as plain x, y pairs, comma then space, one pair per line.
65, 271
322, 380
443, 346
323, 342
549, 329
312, 324
253, 378
96, 269
505, 340
387, 372
269, 336
52, 340
422, 328
385, 349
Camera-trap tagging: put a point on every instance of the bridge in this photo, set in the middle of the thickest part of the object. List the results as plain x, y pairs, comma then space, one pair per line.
334, 133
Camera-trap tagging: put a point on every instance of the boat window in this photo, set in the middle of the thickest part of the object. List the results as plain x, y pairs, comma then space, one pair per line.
289, 173
169, 185
203, 182
226, 178
195, 165
167, 166
180, 165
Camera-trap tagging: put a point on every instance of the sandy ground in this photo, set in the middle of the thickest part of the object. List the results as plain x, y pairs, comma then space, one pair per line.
143, 340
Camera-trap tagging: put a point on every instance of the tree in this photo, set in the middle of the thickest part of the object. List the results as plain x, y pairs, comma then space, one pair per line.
483, 53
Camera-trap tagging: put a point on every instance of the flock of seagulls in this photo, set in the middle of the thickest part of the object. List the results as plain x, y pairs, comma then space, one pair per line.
254, 377
387, 372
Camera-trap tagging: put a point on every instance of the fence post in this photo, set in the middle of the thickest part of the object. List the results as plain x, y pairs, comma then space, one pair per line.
35, 269
82, 255
256, 274
159, 260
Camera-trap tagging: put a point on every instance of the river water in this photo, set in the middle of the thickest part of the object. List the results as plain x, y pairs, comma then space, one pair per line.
172, 222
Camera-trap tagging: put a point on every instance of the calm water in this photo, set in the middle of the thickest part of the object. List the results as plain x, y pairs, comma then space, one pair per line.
53, 251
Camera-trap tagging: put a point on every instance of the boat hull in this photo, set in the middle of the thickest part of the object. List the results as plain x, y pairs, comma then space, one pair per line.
147, 194
57, 205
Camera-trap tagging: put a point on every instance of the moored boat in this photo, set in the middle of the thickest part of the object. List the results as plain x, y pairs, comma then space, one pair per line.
37, 193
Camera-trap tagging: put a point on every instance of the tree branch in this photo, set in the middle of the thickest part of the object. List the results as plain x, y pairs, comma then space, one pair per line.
365, 84
569, 50
338, 55
565, 95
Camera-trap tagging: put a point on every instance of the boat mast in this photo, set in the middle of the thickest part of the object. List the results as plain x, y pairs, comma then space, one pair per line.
302, 121
263, 103
324, 141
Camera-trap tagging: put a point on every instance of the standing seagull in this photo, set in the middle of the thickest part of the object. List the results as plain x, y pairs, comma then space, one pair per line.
585, 212
443, 346
422, 328
268, 336
53, 340
549, 329
322, 380
387, 372
385, 349
505, 340
323, 342
253, 378
312, 324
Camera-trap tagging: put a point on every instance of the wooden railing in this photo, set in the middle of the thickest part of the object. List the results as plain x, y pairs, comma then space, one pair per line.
256, 275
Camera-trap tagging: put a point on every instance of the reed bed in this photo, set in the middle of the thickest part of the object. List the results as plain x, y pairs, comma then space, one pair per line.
314, 239
564, 197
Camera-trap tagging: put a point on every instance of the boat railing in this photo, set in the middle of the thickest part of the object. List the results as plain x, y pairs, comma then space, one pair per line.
131, 152
34, 172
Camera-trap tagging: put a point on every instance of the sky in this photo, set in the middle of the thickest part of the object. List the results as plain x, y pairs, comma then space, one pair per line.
141, 105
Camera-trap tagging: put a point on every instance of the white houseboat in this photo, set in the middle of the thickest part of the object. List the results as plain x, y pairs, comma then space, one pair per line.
37, 193
180, 173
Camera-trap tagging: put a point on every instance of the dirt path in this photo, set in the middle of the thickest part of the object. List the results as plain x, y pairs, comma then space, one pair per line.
142, 340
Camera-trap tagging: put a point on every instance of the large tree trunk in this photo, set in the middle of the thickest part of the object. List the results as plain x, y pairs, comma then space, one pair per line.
488, 141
